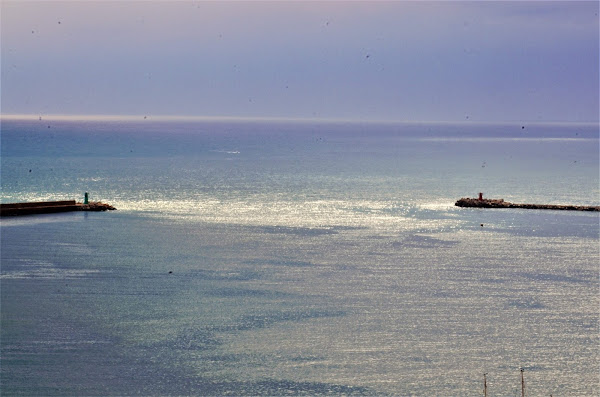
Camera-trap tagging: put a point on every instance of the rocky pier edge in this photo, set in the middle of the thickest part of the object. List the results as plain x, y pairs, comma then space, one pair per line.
95, 206
49, 207
500, 203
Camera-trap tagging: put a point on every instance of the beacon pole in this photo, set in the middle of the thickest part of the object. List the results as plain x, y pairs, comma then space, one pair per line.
485, 385
522, 383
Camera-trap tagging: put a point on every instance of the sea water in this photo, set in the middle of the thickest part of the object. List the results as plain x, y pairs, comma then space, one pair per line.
287, 258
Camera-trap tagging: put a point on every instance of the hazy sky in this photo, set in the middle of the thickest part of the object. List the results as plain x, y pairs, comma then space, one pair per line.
436, 61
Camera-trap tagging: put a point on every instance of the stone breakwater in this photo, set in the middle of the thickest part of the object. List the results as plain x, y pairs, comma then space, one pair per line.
49, 207
95, 206
500, 203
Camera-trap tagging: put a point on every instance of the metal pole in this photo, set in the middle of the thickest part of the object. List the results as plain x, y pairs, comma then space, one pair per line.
522, 383
485, 385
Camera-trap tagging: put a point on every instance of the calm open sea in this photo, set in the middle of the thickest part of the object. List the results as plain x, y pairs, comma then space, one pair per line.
286, 258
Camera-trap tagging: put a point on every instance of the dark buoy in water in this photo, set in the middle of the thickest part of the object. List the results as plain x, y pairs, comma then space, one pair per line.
170, 271
481, 225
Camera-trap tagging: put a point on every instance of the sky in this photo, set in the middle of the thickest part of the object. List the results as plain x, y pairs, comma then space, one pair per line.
365, 61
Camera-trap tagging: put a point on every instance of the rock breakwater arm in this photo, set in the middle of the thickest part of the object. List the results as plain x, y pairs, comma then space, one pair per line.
95, 206
49, 207
500, 203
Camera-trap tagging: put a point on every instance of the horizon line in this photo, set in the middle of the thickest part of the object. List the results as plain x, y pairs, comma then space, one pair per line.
150, 118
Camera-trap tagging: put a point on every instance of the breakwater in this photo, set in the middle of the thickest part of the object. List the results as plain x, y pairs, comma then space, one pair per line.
500, 203
49, 207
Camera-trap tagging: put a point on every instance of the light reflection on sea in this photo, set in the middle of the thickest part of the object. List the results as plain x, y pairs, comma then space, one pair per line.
307, 262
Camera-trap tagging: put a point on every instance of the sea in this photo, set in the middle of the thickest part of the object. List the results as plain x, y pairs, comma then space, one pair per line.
274, 257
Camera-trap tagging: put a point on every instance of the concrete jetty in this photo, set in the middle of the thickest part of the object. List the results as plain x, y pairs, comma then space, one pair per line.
49, 207
500, 203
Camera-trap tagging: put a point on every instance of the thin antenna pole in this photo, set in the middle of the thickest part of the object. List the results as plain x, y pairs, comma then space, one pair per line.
485, 385
522, 383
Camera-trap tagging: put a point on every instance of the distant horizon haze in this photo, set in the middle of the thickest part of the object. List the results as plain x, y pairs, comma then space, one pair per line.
224, 118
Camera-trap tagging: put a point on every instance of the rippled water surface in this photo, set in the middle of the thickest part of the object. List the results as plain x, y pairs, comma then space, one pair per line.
295, 258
